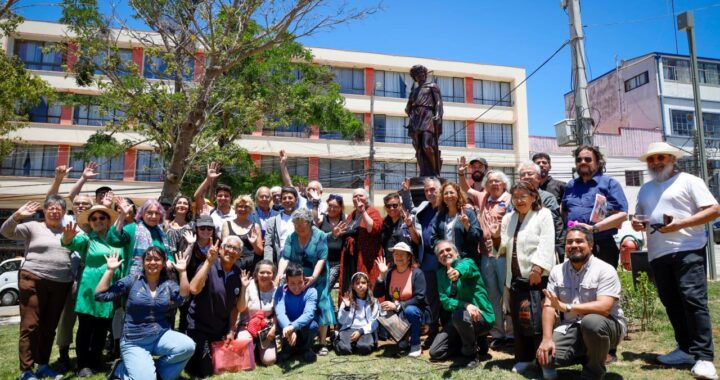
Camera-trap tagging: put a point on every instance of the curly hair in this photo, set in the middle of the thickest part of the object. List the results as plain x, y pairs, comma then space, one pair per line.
462, 199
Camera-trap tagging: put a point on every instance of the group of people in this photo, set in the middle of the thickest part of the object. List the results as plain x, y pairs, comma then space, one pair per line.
477, 265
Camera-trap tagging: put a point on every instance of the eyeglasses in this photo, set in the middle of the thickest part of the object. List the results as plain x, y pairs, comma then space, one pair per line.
231, 248
81, 203
392, 205
581, 159
205, 228
521, 198
98, 218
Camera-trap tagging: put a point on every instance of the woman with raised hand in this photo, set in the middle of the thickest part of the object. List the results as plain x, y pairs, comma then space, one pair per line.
146, 330
44, 280
257, 310
453, 223
94, 318
179, 220
247, 230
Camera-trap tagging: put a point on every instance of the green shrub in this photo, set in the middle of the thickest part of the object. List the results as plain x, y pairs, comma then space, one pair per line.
639, 301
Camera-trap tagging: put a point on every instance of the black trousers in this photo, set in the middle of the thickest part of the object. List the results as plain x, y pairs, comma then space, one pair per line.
682, 287
344, 345
460, 334
200, 364
607, 250
90, 340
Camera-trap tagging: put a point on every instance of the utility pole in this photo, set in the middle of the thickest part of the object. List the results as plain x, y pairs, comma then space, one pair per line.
583, 119
371, 187
686, 22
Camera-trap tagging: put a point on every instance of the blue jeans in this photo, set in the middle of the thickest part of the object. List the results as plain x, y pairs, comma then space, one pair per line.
173, 348
414, 316
493, 270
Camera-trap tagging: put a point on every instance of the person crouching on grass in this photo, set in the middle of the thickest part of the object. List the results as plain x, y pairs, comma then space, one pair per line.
358, 318
295, 307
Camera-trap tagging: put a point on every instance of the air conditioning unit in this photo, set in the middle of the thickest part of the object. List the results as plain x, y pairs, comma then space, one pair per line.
565, 133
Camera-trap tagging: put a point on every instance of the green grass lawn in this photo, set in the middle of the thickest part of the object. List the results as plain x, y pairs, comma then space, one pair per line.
636, 360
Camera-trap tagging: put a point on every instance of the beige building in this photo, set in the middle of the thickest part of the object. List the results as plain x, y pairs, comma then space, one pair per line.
469, 90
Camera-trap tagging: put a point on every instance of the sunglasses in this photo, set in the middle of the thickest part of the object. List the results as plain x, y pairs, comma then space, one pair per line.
392, 205
206, 228
98, 218
581, 159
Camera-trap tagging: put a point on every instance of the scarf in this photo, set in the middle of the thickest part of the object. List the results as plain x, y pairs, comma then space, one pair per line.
143, 241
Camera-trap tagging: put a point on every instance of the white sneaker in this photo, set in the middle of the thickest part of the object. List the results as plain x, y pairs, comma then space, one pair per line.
549, 373
704, 369
415, 351
521, 367
676, 357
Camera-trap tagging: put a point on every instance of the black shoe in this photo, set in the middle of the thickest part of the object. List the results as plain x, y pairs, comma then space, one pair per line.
482, 346
509, 342
112, 375
284, 356
473, 363
496, 344
309, 356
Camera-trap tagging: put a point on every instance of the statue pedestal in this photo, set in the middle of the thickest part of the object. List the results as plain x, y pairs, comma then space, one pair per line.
417, 188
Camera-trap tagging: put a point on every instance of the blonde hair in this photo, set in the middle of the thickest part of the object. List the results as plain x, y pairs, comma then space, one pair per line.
246, 199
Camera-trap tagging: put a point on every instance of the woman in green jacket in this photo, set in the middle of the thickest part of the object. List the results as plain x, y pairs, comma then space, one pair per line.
94, 318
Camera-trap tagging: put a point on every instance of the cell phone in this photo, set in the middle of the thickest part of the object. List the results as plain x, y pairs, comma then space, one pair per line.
667, 219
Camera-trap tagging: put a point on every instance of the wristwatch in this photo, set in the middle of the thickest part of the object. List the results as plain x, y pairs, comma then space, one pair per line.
568, 307
595, 229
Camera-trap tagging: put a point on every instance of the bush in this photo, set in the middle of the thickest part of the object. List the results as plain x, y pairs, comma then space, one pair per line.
639, 301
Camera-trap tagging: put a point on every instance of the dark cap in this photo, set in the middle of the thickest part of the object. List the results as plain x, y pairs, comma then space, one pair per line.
204, 221
479, 159
102, 189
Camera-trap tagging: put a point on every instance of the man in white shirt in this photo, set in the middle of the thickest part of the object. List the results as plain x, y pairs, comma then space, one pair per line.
673, 209
223, 196
280, 226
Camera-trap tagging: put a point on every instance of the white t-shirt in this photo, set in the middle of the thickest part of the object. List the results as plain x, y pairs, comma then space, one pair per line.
219, 219
680, 196
254, 304
285, 228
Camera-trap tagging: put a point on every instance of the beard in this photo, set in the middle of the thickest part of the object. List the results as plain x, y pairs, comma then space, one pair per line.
663, 174
544, 173
584, 170
478, 176
578, 259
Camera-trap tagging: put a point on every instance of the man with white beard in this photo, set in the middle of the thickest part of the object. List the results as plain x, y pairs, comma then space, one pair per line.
676, 206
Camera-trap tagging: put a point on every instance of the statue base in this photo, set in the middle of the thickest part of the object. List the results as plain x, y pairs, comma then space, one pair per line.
417, 188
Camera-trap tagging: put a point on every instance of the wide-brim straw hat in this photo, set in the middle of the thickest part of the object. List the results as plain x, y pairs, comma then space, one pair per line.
662, 148
84, 216
401, 247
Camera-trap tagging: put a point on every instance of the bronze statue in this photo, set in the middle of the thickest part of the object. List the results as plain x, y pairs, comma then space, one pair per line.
425, 110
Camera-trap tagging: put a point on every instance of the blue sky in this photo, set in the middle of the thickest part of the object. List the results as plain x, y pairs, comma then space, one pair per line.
519, 33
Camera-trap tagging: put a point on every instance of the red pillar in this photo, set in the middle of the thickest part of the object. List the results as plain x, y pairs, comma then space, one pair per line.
256, 159
469, 90
313, 168
63, 156
199, 69
369, 81
137, 57
66, 115
71, 57
129, 166
470, 133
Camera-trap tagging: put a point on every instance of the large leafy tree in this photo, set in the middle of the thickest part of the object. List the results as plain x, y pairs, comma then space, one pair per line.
19, 88
224, 67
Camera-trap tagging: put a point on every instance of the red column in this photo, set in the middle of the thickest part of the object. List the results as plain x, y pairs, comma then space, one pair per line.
138, 59
369, 81
368, 127
314, 132
469, 90
63, 156
66, 115
313, 168
129, 166
470, 133
199, 69
367, 176
71, 57
256, 158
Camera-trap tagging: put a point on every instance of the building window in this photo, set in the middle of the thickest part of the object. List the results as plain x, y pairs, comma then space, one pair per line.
391, 129
683, 124
708, 73
297, 166
108, 168
155, 67
491, 92
510, 172
451, 89
633, 177
38, 55
676, 70
449, 172
45, 112
123, 58
453, 133
389, 175
351, 81
295, 129
345, 174
95, 115
392, 84
494, 136
337, 135
149, 166
636, 81
30, 161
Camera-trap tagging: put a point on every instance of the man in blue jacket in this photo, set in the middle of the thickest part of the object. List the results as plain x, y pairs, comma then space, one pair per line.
295, 308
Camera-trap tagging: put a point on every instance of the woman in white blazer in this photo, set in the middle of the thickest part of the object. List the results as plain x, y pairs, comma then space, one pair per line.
527, 238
